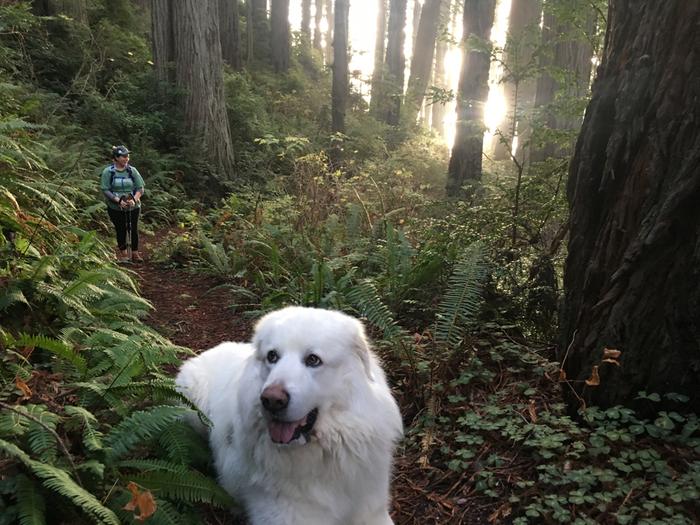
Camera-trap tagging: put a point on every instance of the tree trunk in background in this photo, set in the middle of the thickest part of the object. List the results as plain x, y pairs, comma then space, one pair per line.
379, 50
279, 24
305, 21
422, 60
473, 90
340, 72
519, 86
75, 9
199, 73
571, 62
260, 26
394, 64
632, 277
329, 31
437, 119
230, 33
318, 17
415, 20
163, 40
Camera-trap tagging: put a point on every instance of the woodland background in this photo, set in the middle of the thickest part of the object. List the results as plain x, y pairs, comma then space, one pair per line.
535, 296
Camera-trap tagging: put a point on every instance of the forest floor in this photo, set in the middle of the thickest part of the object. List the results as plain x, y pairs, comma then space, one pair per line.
191, 311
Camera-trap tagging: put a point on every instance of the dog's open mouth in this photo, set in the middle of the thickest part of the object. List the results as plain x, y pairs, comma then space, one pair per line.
287, 431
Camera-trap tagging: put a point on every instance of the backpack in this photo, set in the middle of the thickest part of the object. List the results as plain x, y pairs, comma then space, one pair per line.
113, 173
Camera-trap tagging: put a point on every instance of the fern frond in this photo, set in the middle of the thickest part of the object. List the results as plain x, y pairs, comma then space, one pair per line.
12, 295
30, 503
364, 296
183, 444
190, 486
59, 481
56, 347
92, 437
462, 300
140, 426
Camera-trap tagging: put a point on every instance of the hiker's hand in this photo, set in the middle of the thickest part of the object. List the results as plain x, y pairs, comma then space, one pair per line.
137, 198
123, 204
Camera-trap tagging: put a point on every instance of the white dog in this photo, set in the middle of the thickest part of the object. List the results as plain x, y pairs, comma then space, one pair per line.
304, 425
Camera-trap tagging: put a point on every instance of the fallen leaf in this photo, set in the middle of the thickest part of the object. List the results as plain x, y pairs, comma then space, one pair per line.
532, 411
594, 380
562, 375
24, 387
612, 361
143, 501
611, 353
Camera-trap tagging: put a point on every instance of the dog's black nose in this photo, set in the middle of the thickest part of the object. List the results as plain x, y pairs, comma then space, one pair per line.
274, 398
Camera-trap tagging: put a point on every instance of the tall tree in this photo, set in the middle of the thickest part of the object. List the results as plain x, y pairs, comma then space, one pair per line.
472, 92
422, 59
230, 33
318, 18
567, 70
199, 73
340, 65
329, 31
163, 41
305, 21
279, 24
259, 31
519, 82
631, 280
379, 50
437, 119
394, 63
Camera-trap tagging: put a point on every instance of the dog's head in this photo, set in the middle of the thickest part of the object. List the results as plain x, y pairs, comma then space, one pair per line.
311, 361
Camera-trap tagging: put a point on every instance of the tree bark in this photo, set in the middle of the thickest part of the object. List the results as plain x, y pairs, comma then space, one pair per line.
379, 50
279, 24
571, 63
394, 64
437, 119
340, 65
199, 73
632, 276
465, 161
519, 82
230, 33
305, 22
259, 27
422, 60
163, 40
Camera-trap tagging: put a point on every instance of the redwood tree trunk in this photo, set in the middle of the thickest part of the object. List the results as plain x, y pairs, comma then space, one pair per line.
340, 65
329, 31
259, 27
163, 40
318, 17
199, 73
422, 60
379, 50
437, 119
305, 21
230, 33
519, 86
279, 25
632, 278
394, 63
465, 161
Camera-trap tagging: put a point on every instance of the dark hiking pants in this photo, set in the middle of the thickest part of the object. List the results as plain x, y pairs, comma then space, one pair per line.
125, 220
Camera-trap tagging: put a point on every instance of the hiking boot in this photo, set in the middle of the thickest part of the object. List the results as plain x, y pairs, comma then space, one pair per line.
136, 256
122, 256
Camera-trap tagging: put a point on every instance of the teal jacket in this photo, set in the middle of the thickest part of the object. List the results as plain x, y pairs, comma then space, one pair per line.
116, 183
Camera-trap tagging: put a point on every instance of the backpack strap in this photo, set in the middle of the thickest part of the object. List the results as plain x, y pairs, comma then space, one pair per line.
113, 173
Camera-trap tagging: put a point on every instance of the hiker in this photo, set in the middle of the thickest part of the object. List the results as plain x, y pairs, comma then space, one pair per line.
123, 187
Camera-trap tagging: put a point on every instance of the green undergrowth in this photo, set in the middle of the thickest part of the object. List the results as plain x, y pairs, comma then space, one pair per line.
496, 421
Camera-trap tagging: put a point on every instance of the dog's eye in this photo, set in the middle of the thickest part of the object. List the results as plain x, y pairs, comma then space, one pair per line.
313, 361
273, 356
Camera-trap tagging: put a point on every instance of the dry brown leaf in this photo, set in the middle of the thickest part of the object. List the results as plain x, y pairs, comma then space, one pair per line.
532, 410
562, 375
611, 353
612, 361
594, 380
143, 501
24, 387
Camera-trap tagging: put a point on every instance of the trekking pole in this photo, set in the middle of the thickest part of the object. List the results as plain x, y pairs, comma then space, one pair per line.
128, 231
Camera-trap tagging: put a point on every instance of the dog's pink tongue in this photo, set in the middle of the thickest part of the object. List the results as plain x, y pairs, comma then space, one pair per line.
283, 432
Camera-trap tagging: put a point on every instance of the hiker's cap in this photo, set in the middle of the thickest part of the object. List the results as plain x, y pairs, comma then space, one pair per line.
119, 151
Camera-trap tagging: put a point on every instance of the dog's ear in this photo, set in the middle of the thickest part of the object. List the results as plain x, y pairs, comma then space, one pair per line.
361, 348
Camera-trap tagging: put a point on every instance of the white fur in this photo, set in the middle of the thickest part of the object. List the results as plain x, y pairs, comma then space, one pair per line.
341, 476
